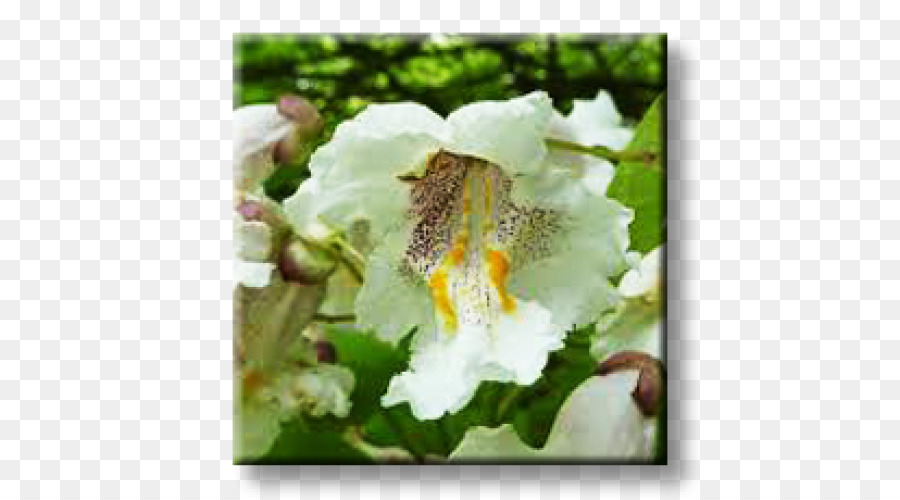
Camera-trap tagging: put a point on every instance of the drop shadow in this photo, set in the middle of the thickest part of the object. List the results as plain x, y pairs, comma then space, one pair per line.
679, 70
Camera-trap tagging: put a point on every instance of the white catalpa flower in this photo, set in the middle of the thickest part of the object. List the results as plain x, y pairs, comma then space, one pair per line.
269, 398
598, 123
594, 122
473, 246
317, 391
599, 420
636, 324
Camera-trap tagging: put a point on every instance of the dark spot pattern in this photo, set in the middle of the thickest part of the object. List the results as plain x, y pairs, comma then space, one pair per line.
436, 206
525, 233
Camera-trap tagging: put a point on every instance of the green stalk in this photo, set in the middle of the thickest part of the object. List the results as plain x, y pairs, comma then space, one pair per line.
337, 254
397, 429
507, 401
334, 318
603, 151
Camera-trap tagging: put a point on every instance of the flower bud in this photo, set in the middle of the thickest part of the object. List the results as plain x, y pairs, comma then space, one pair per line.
325, 352
299, 263
251, 210
648, 393
307, 125
299, 111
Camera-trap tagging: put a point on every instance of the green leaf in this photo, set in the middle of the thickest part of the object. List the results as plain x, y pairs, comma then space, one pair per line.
372, 361
318, 441
640, 185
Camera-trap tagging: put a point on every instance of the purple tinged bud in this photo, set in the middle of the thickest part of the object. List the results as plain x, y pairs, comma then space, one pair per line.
325, 352
307, 125
298, 110
648, 394
251, 210
300, 264
283, 152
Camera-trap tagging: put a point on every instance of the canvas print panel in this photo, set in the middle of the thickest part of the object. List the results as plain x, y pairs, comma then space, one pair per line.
449, 249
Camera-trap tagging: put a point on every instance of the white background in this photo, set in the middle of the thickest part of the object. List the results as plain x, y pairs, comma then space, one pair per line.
115, 262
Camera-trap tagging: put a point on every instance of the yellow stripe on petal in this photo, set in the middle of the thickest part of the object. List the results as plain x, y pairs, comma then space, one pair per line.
498, 271
441, 295
458, 252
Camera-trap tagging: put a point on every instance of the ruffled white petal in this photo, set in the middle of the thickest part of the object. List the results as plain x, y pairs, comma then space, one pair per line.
520, 342
597, 175
300, 207
598, 122
256, 129
563, 180
644, 277
573, 280
392, 119
508, 133
393, 300
358, 170
446, 368
591, 123
443, 374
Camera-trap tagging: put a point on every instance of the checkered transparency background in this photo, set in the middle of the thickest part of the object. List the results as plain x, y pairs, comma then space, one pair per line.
115, 371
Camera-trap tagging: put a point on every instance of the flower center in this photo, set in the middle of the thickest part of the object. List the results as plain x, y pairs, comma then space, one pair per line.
465, 239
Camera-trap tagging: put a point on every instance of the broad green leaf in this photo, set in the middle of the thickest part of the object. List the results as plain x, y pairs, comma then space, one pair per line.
640, 185
372, 361
307, 441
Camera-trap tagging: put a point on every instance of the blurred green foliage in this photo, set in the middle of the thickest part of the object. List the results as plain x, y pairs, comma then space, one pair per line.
341, 75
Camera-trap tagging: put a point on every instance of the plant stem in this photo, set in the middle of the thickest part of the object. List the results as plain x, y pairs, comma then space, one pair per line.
336, 254
397, 429
354, 437
603, 151
334, 318
446, 441
348, 249
506, 402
